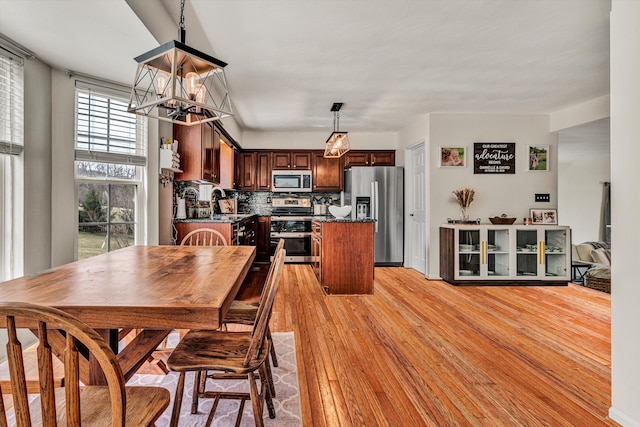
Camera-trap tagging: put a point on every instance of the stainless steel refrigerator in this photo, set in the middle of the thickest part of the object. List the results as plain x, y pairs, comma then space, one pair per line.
378, 192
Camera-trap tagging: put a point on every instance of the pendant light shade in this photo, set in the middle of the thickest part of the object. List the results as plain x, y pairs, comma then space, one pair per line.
338, 142
180, 84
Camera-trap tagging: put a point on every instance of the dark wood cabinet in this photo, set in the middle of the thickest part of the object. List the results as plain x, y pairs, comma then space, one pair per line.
342, 256
199, 150
254, 171
370, 158
263, 171
284, 159
247, 171
263, 231
327, 174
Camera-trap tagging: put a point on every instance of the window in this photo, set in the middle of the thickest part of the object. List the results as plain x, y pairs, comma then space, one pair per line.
11, 146
110, 157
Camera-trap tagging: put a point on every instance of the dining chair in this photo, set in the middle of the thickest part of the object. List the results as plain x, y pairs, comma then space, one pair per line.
244, 312
234, 355
72, 404
204, 237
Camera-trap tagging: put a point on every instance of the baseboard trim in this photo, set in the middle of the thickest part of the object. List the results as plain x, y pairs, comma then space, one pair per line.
622, 418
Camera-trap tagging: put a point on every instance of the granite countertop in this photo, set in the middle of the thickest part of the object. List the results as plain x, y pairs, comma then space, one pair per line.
330, 218
219, 218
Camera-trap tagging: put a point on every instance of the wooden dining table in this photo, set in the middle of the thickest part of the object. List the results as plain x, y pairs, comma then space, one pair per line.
154, 289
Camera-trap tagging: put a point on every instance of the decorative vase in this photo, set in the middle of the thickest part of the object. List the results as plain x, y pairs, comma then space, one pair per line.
464, 213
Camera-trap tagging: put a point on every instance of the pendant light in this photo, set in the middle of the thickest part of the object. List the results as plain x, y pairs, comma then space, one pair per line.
177, 83
338, 142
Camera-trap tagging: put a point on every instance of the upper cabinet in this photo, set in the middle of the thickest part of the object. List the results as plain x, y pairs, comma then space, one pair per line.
254, 171
291, 160
327, 174
199, 148
370, 158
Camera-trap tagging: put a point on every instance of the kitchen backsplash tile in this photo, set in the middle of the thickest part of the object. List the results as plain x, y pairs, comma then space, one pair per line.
258, 202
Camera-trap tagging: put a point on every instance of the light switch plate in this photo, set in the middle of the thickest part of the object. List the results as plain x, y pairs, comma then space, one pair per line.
542, 197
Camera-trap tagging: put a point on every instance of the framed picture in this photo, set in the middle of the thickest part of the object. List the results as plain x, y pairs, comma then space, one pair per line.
452, 157
544, 216
494, 158
538, 157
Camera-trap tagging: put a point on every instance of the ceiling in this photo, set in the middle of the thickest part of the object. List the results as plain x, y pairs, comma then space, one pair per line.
389, 61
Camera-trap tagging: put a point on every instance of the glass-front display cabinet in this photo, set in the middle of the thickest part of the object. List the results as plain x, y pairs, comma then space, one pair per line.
505, 253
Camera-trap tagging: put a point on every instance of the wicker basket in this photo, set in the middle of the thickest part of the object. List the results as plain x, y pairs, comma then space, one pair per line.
501, 221
598, 283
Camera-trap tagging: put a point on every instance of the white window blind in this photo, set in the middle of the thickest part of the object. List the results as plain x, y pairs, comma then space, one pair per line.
11, 105
105, 131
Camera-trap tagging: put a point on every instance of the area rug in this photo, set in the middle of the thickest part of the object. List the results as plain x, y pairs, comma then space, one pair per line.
286, 403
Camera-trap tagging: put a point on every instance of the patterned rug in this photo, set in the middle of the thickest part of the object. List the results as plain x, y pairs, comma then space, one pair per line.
287, 401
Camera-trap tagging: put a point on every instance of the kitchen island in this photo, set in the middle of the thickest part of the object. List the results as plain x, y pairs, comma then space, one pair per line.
237, 229
343, 253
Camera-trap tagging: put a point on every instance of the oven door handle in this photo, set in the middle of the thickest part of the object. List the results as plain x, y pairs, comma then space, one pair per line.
290, 235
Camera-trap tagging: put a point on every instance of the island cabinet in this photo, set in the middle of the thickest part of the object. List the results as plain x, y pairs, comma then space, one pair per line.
342, 256
505, 254
199, 148
327, 174
281, 160
241, 231
263, 234
370, 158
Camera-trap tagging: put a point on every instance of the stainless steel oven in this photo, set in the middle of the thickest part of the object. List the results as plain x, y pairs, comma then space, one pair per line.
291, 221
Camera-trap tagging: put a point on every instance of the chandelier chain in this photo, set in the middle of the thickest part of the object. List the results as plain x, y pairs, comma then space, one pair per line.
182, 14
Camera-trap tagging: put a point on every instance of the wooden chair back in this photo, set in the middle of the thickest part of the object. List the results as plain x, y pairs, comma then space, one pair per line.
264, 310
42, 320
204, 237
265, 288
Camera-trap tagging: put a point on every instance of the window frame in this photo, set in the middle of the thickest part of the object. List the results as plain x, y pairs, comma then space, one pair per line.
139, 160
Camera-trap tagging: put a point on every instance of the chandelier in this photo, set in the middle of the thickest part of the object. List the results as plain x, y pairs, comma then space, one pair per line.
177, 83
338, 142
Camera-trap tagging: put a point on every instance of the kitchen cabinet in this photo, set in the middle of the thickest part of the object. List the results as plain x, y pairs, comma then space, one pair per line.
246, 170
327, 174
263, 171
236, 232
199, 148
514, 254
184, 228
254, 171
370, 158
291, 160
263, 233
227, 163
342, 256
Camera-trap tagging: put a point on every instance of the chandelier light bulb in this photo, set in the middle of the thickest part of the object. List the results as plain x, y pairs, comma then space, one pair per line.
191, 84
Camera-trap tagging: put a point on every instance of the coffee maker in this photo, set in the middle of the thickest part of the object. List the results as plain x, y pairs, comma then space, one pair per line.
363, 207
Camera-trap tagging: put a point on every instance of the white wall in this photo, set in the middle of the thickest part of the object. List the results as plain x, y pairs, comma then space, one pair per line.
494, 194
580, 196
37, 167
625, 199
315, 140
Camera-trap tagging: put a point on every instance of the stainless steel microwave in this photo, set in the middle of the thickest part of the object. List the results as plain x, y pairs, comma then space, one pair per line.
290, 181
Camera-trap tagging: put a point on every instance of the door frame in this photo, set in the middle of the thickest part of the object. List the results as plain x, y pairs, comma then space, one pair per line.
409, 188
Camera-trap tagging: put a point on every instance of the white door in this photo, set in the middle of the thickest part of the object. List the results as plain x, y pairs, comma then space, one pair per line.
417, 209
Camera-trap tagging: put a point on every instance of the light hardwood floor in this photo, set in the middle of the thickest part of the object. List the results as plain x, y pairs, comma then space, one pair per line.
425, 353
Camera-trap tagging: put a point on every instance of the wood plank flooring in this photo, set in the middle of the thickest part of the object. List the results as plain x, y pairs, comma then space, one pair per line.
425, 353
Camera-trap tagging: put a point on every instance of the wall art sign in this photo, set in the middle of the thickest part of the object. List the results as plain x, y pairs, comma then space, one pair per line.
494, 157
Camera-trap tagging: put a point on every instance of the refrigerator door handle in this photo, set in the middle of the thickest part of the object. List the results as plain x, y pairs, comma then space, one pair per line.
374, 193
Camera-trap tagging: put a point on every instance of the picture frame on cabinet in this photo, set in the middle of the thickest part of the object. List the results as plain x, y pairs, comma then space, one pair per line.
538, 158
544, 216
452, 157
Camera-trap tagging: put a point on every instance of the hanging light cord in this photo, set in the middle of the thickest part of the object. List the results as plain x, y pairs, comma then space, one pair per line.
336, 121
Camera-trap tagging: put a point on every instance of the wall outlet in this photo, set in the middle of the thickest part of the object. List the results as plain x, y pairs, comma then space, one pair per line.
545, 197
